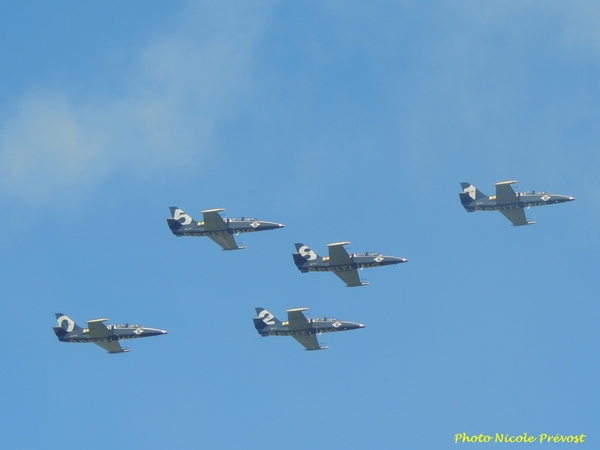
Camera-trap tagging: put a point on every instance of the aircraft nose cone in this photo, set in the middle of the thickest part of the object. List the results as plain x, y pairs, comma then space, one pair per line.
563, 198
155, 332
397, 260
271, 225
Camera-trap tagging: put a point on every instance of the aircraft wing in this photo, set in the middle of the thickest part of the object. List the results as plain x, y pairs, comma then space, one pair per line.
505, 193
111, 346
98, 330
350, 277
296, 319
226, 241
297, 322
516, 216
213, 221
309, 342
338, 256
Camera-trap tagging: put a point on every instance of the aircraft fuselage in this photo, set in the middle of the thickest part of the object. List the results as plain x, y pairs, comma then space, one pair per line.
233, 227
525, 200
359, 261
317, 326
119, 332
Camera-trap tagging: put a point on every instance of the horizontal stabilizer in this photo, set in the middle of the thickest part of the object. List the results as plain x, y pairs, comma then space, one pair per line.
174, 225
60, 331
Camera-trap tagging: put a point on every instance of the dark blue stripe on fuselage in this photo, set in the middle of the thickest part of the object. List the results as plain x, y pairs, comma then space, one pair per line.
511, 207
342, 268
199, 232
308, 332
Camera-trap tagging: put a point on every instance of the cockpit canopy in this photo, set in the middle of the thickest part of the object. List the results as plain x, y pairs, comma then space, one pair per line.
367, 254
323, 319
534, 193
243, 218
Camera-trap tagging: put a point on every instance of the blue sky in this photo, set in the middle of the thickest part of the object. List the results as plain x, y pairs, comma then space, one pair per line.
345, 122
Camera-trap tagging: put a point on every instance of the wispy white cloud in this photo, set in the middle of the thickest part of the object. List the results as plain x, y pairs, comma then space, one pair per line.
495, 83
456, 90
177, 89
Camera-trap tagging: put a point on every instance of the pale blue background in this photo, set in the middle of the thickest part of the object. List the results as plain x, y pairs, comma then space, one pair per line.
345, 121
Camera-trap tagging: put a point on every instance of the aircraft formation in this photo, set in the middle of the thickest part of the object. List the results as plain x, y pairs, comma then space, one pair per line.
343, 264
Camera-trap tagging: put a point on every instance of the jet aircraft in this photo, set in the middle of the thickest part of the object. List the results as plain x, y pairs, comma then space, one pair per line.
341, 263
106, 336
507, 201
299, 327
215, 227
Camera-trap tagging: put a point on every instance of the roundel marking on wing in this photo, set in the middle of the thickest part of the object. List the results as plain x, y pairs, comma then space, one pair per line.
70, 324
307, 253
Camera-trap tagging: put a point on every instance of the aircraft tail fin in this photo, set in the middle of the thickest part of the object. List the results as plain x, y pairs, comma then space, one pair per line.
264, 319
178, 218
65, 326
469, 194
303, 255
